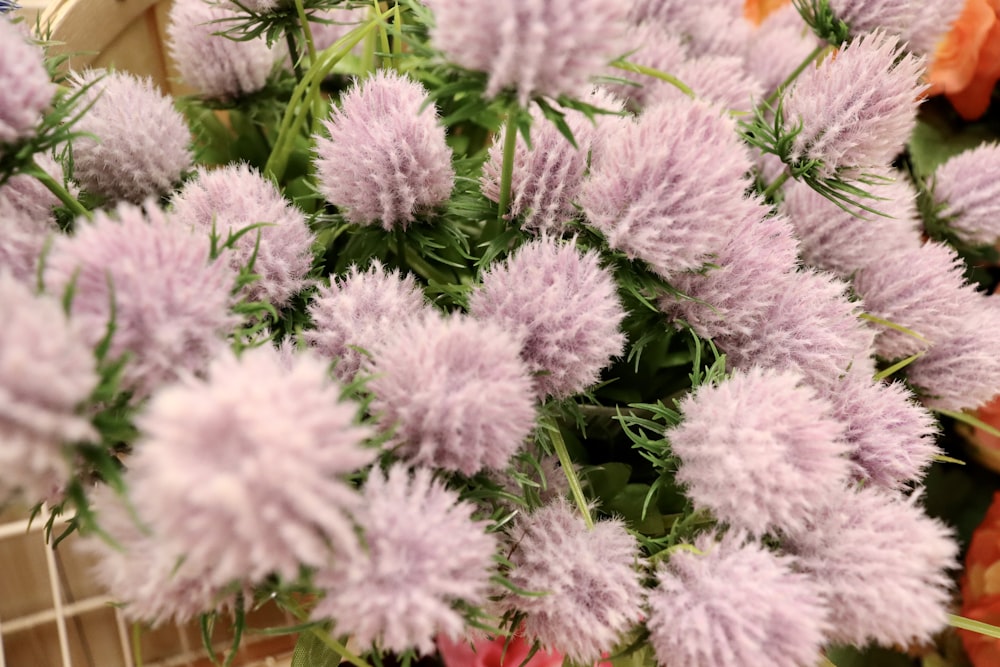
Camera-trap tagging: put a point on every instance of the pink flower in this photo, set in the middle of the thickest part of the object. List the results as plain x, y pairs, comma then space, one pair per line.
498, 652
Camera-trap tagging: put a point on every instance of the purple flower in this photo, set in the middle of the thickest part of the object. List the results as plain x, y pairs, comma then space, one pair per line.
260, 6
715, 27
454, 392
842, 242
235, 197
881, 564
171, 304
26, 195
47, 372
215, 66
424, 553
140, 143
240, 472
922, 289
334, 23
654, 46
857, 109
386, 160
734, 604
919, 24
931, 24
593, 591
761, 449
358, 312
777, 47
546, 47
891, 437
22, 239
721, 80
27, 89
970, 195
667, 188
563, 308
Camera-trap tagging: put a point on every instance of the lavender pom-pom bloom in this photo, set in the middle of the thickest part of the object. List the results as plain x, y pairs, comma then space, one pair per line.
919, 24
358, 312
27, 195
734, 604
22, 239
562, 306
968, 190
46, 373
857, 110
235, 197
171, 305
762, 450
214, 65
667, 188
424, 553
455, 391
882, 567
27, 89
239, 472
140, 143
514, 41
593, 590
386, 160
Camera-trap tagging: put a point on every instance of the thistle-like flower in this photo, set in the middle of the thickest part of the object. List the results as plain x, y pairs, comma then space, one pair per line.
27, 89
424, 553
240, 472
970, 199
734, 603
386, 160
721, 80
919, 25
593, 593
25, 194
153, 283
563, 308
454, 393
22, 239
139, 146
653, 46
514, 41
235, 197
777, 47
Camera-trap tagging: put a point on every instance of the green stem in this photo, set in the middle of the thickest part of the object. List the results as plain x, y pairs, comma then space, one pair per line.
293, 53
306, 30
795, 73
401, 248
636, 68
54, 186
338, 648
137, 644
567, 465
963, 623
778, 182
506, 175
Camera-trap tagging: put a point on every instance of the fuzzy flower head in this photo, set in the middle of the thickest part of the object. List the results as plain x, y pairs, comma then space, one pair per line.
27, 89
171, 304
386, 160
777, 47
240, 472
454, 392
967, 189
424, 553
214, 65
920, 25
22, 240
882, 567
653, 46
26, 195
712, 27
734, 603
761, 450
543, 47
358, 312
235, 197
329, 25
667, 188
562, 306
140, 143
721, 80
594, 592
47, 372
857, 109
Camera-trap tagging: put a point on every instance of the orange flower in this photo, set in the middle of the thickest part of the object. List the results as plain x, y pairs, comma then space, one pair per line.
966, 65
981, 587
757, 10
986, 446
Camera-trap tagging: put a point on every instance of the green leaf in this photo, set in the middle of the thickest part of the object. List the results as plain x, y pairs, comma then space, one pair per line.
609, 479
630, 503
310, 651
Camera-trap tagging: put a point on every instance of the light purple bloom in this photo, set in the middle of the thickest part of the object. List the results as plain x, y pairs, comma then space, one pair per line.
424, 553
335, 23
27, 89
215, 66
593, 589
841, 242
22, 239
358, 312
923, 289
240, 472
454, 392
967, 187
562, 306
386, 160
931, 25
882, 566
734, 604
777, 47
654, 46
544, 47
668, 188
719, 79
857, 109
260, 6
918, 24
171, 304
714, 27
761, 449
234, 197
47, 373
25, 194
140, 143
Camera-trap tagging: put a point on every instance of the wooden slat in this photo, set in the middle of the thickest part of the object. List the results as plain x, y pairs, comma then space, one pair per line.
136, 49
88, 27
